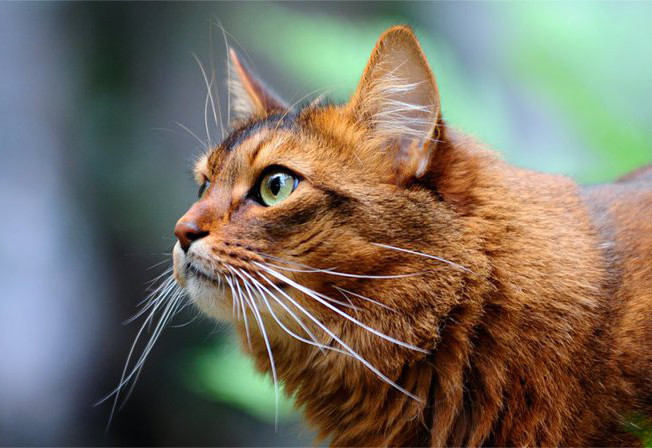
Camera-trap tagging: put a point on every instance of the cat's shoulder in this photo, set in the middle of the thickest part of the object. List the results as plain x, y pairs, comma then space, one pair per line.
630, 196
643, 175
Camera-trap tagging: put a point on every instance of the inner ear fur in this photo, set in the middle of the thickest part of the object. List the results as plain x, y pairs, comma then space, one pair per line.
398, 100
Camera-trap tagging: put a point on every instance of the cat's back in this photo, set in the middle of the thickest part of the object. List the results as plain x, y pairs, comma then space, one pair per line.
622, 213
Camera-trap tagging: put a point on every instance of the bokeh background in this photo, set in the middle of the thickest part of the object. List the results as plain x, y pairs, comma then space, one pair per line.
95, 170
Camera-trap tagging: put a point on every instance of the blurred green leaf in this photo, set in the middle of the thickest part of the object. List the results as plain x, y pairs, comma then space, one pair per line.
332, 61
641, 427
225, 374
584, 83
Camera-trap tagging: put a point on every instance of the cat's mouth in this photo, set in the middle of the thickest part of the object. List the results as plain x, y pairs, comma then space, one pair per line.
221, 294
192, 270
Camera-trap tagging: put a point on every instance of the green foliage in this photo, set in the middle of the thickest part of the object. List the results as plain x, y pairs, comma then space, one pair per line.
641, 427
227, 375
608, 106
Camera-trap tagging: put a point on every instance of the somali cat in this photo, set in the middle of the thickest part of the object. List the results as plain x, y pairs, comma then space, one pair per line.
406, 285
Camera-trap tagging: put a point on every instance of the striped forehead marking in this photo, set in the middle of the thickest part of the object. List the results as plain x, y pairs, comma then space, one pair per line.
278, 121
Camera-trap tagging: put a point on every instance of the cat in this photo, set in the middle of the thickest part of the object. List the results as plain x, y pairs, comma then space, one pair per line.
410, 288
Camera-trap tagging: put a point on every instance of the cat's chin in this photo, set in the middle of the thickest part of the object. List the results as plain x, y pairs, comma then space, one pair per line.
216, 302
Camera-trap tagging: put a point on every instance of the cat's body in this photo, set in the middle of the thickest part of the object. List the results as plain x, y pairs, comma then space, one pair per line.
544, 344
485, 304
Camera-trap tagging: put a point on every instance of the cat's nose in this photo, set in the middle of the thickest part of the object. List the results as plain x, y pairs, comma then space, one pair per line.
187, 232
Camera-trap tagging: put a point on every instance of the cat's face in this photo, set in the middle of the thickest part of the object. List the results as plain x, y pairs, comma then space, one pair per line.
316, 212
278, 195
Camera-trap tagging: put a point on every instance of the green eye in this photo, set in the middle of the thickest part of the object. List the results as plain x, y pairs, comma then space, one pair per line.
276, 186
202, 188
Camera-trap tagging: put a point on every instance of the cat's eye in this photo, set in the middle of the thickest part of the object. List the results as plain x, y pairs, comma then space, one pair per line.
202, 188
276, 186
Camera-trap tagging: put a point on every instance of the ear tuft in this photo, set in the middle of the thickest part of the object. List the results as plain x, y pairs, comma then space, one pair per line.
249, 96
397, 98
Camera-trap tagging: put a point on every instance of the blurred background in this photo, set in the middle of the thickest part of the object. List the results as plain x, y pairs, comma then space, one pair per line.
95, 171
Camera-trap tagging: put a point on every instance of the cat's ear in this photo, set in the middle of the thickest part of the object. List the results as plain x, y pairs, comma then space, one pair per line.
249, 97
397, 99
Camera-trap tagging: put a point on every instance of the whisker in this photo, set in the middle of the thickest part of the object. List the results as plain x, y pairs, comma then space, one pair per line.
158, 264
347, 305
293, 263
217, 91
201, 142
250, 305
353, 353
124, 379
208, 134
242, 300
344, 274
228, 74
261, 326
233, 296
346, 291
130, 354
317, 297
179, 310
355, 308
171, 289
152, 298
314, 342
293, 105
156, 279
162, 324
209, 95
167, 312
194, 318
339, 302
317, 101
414, 252
297, 270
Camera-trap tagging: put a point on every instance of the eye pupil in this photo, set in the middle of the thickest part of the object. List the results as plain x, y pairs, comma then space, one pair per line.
275, 185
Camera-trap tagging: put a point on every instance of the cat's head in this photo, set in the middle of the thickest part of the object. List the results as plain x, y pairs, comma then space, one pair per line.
306, 214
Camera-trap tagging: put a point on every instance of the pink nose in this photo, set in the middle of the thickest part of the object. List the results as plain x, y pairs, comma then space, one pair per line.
187, 232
